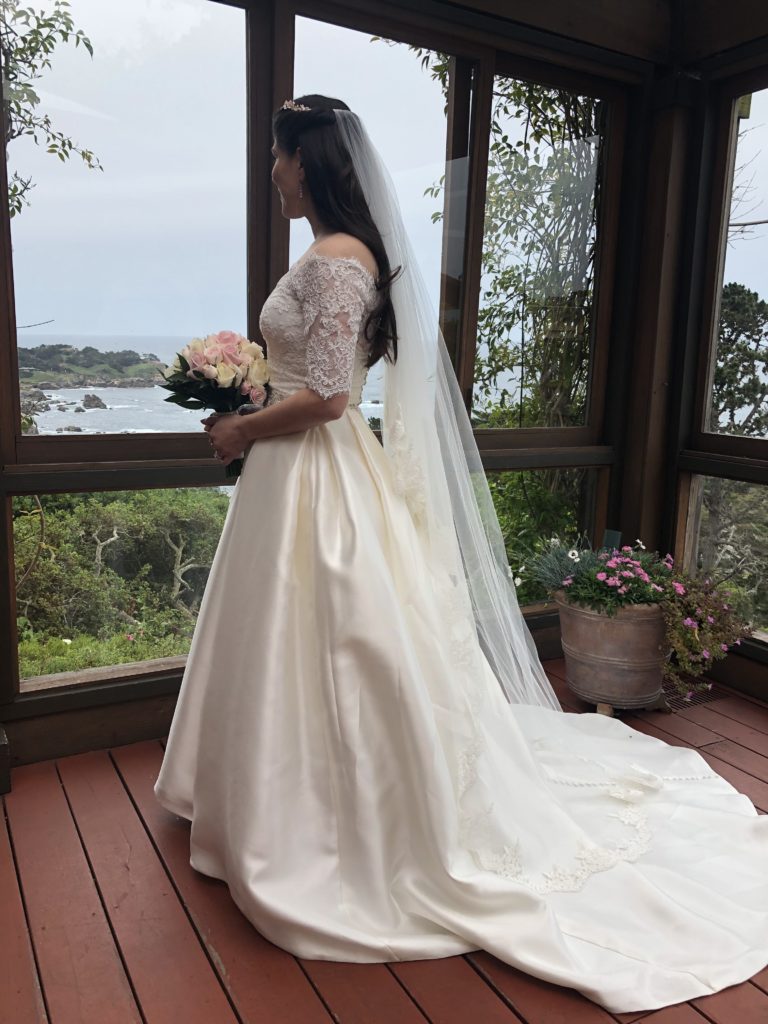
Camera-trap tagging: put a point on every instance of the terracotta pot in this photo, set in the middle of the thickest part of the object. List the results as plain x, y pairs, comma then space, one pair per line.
613, 659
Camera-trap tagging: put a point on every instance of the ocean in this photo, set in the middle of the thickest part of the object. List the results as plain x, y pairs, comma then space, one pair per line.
140, 409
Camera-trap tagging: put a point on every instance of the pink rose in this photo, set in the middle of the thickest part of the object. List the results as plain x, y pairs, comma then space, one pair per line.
196, 359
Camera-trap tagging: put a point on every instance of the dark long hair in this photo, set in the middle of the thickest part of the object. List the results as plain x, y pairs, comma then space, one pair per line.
339, 201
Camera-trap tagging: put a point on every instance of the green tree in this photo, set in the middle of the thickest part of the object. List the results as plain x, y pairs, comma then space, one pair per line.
118, 576
739, 398
26, 40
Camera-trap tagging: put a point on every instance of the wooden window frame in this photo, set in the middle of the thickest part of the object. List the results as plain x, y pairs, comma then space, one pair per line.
700, 452
44, 464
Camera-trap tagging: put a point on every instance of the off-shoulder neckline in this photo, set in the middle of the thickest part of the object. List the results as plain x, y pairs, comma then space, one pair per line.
331, 259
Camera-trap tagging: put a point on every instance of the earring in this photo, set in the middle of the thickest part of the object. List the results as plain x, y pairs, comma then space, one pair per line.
301, 191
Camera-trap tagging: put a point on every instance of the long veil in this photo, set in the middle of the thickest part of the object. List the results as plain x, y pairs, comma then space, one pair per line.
428, 435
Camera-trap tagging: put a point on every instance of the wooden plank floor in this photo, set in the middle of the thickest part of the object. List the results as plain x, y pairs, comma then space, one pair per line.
105, 922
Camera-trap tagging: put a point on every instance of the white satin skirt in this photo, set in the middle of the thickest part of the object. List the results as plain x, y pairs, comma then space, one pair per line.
315, 748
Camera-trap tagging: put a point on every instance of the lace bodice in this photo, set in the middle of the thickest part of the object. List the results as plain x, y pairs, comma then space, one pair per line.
313, 324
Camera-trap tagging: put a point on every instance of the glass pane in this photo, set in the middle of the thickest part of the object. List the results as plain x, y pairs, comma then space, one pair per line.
533, 505
728, 539
111, 577
351, 66
136, 241
738, 389
538, 262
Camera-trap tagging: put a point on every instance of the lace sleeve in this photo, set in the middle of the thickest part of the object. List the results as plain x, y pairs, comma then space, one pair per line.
333, 293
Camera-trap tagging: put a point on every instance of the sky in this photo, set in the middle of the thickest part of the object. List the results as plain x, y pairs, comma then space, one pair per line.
155, 245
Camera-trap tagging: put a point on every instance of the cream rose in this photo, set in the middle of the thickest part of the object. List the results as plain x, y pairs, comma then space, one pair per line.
226, 375
258, 372
253, 349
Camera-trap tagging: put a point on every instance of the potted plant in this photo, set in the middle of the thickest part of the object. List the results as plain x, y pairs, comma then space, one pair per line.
630, 619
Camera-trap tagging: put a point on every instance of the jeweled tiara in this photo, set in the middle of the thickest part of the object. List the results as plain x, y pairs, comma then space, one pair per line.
292, 105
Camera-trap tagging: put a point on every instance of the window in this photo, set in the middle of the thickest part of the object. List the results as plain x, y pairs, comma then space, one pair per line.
538, 260
121, 258
533, 505
413, 148
728, 539
111, 577
738, 377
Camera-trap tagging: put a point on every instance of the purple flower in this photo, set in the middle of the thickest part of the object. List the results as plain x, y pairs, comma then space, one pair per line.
723, 647
705, 654
567, 582
678, 587
690, 623
710, 620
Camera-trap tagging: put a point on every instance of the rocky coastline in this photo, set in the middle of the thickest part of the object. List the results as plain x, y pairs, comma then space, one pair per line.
33, 399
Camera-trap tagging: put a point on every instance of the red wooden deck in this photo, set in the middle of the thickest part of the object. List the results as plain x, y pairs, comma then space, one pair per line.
105, 921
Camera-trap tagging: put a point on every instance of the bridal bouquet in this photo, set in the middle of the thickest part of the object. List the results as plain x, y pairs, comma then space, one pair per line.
224, 372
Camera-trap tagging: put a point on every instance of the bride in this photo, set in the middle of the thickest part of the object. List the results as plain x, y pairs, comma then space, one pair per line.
365, 742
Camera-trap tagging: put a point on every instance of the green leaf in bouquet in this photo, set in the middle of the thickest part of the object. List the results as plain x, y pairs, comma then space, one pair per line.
186, 401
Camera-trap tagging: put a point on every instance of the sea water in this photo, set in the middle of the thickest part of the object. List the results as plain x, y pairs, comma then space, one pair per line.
139, 409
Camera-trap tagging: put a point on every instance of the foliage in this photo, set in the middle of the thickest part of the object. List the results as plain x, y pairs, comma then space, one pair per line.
25, 52
531, 505
740, 383
60, 358
120, 574
732, 541
538, 257
701, 624
49, 655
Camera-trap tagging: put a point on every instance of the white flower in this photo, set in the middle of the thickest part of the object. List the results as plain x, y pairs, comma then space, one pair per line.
640, 544
225, 374
518, 581
521, 569
258, 372
65, 641
252, 349
574, 555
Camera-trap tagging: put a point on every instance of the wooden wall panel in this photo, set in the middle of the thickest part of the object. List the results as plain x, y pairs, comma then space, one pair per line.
638, 28
707, 27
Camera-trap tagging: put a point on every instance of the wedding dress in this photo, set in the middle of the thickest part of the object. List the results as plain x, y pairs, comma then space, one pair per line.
357, 808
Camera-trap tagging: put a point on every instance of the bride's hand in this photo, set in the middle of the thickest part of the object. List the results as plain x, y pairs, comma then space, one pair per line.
227, 436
